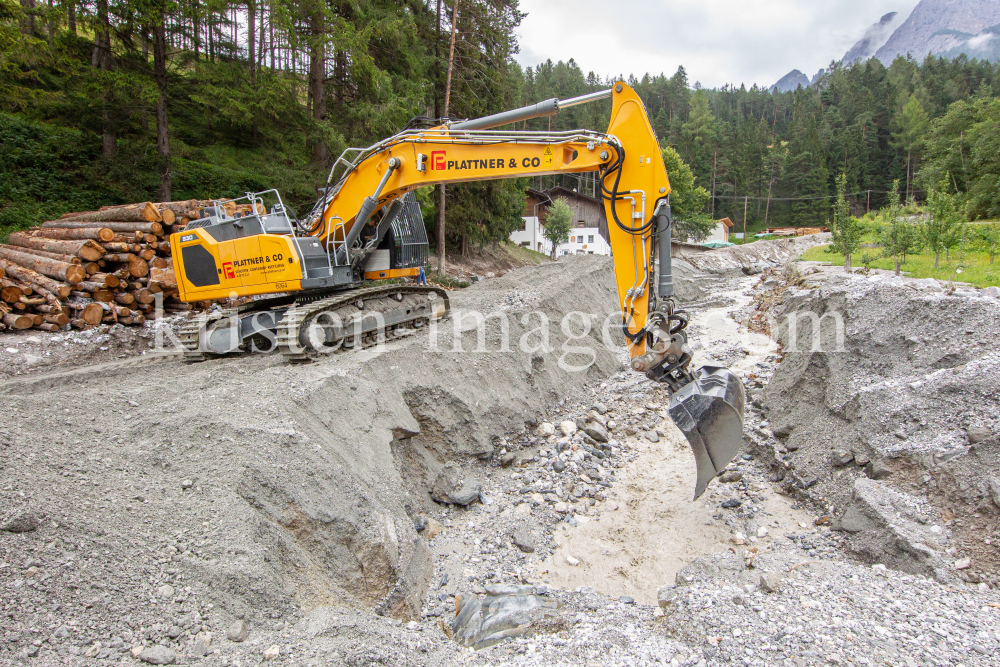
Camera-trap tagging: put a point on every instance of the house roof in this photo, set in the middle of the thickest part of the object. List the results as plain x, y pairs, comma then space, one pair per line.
561, 190
727, 222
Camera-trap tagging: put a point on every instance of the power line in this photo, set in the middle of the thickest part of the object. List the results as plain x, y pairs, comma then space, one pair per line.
846, 194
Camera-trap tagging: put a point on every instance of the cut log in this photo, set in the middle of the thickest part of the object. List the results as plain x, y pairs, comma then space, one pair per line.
134, 237
32, 300
137, 266
51, 309
141, 212
91, 268
62, 319
164, 277
104, 296
124, 298
102, 234
144, 296
117, 247
35, 319
120, 257
69, 259
10, 291
92, 313
148, 254
120, 227
47, 326
32, 277
106, 279
86, 249
81, 324
71, 273
159, 263
15, 321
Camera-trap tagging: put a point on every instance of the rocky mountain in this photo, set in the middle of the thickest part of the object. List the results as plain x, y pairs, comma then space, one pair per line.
984, 46
941, 26
790, 82
875, 37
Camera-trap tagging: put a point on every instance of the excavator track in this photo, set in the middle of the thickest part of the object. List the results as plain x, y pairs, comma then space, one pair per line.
190, 334
290, 328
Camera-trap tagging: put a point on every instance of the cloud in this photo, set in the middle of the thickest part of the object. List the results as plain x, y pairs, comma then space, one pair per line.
717, 41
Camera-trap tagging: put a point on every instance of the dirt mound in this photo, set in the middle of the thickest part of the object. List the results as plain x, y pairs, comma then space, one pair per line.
249, 488
900, 385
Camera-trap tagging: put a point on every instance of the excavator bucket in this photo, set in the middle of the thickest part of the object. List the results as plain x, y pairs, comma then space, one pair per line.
709, 411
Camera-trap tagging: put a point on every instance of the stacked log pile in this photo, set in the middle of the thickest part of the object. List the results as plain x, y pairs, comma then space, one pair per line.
88, 268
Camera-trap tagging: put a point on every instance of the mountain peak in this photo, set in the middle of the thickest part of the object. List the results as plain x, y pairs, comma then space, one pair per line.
936, 26
875, 37
790, 82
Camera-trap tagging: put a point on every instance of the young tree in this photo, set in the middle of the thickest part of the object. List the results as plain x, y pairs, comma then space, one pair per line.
941, 229
847, 230
896, 236
988, 237
558, 222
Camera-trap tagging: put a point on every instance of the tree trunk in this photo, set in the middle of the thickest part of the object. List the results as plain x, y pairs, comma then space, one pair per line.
28, 23
195, 30
907, 179
162, 128
847, 263
447, 103
71, 16
937, 258
317, 73
101, 59
898, 265
251, 36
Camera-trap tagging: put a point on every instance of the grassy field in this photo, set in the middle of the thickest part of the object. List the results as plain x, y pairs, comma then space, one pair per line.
975, 266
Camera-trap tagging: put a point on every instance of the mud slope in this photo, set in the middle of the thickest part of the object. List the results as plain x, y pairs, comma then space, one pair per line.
260, 488
896, 429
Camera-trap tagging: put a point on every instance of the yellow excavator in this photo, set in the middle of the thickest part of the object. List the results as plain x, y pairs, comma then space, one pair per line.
307, 276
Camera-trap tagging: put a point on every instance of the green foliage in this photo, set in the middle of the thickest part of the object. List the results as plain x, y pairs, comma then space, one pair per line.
897, 236
942, 228
687, 202
558, 222
987, 237
847, 230
911, 125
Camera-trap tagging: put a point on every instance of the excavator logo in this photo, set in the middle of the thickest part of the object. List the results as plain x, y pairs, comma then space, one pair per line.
227, 269
439, 160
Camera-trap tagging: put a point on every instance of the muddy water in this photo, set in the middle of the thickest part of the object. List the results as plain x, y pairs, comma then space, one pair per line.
638, 540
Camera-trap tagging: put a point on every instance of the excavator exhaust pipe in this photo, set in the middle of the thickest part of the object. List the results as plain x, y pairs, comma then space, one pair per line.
709, 411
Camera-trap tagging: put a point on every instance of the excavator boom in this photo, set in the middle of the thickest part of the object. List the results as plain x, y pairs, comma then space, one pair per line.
267, 252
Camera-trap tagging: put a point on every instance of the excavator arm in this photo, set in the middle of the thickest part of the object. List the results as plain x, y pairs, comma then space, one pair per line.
306, 265
627, 158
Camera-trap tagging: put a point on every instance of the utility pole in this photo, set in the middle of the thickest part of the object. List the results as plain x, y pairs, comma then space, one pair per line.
868, 208
746, 200
447, 101
715, 160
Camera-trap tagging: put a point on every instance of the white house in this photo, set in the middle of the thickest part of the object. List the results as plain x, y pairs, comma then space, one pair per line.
588, 235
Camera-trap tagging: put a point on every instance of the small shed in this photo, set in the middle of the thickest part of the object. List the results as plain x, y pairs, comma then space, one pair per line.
721, 230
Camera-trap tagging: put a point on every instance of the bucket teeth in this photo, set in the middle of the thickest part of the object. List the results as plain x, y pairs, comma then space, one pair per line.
709, 411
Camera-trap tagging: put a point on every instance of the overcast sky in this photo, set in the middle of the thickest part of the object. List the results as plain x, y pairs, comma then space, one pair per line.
717, 41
